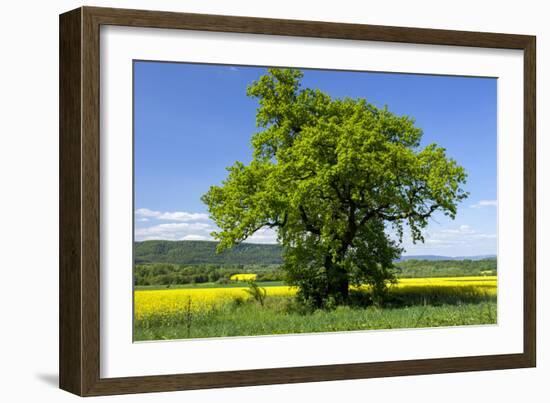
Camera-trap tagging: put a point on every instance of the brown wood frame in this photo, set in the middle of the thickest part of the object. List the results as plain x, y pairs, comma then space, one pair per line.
79, 201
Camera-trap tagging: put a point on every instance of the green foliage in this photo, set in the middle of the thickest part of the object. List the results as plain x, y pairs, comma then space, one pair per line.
330, 175
156, 274
283, 316
164, 274
445, 268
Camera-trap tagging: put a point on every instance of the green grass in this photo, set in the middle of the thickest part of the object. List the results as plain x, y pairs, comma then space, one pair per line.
281, 315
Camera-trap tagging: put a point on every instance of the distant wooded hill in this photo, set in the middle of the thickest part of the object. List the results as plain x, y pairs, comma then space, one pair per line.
204, 252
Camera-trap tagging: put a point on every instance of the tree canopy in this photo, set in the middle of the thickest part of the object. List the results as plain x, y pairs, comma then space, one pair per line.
333, 177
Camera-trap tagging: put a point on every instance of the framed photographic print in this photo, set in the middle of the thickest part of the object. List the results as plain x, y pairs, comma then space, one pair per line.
249, 201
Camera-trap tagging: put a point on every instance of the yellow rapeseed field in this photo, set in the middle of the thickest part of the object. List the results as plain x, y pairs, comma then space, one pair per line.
168, 302
243, 277
447, 286
481, 283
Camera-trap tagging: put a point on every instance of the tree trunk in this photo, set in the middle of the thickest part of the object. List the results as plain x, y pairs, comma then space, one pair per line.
337, 282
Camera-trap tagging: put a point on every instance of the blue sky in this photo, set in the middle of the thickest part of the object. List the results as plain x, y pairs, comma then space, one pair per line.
191, 121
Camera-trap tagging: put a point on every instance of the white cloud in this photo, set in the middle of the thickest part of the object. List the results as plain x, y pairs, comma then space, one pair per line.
145, 212
263, 235
484, 203
171, 215
464, 234
183, 216
233, 68
175, 231
462, 240
195, 237
187, 226
463, 229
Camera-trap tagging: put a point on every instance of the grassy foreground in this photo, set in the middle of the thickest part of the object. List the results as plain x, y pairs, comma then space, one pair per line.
229, 311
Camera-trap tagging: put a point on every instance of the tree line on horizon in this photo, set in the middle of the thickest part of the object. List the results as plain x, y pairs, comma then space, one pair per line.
167, 274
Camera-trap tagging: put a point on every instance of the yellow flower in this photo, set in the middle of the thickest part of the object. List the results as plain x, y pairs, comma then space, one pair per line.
243, 277
168, 302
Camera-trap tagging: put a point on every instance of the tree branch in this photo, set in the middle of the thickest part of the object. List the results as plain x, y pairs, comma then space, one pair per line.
273, 224
309, 226
410, 214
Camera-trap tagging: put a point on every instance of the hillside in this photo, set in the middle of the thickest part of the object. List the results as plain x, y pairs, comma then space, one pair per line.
204, 252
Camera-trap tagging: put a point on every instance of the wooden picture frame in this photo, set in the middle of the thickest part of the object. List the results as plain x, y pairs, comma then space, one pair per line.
79, 278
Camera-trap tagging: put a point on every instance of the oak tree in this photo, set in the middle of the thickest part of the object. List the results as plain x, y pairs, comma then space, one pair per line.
338, 180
